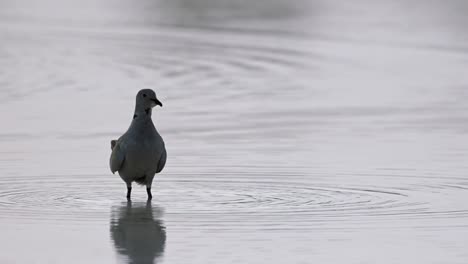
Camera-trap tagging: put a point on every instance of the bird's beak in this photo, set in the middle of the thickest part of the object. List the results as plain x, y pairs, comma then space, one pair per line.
156, 101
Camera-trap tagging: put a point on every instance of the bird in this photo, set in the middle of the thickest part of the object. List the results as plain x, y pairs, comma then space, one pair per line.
140, 152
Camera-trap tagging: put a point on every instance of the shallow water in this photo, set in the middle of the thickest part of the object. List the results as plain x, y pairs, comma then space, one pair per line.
297, 131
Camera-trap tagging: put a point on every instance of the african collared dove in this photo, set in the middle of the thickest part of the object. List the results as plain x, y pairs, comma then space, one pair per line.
140, 153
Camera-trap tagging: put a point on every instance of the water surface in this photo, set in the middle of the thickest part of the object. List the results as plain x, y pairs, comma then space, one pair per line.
297, 131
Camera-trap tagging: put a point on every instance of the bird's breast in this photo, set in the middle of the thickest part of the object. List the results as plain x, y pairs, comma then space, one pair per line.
143, 154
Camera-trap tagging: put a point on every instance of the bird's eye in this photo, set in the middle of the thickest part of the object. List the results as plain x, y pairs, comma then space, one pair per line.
144, 95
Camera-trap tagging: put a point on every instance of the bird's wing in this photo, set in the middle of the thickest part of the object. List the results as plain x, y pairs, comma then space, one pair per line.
117, 156
162, 161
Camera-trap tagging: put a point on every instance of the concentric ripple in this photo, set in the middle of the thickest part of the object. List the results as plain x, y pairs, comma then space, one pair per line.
224, 198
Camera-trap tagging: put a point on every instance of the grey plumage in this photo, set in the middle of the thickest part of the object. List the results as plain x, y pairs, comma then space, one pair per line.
140, 152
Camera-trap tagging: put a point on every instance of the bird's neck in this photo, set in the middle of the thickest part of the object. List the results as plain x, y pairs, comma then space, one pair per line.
142, 113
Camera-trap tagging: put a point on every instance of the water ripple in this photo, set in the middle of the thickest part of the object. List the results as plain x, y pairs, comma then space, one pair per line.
216, 199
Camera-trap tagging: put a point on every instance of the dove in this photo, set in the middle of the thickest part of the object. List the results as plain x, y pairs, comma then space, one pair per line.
140, 152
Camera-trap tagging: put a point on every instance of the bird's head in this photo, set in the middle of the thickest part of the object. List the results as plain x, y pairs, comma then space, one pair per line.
146, 98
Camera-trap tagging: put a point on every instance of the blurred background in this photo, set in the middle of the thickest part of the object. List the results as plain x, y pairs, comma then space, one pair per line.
297, 131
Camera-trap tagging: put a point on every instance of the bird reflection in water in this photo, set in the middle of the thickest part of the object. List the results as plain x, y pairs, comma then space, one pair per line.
137, 232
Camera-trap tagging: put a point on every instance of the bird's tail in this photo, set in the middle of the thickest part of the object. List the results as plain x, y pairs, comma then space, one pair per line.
141, 181
113, 142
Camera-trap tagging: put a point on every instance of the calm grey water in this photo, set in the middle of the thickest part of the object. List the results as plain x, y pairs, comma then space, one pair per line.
319, 131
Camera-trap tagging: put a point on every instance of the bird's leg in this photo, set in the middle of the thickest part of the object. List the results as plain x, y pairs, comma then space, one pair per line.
148, 191
129, 191
149, 181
